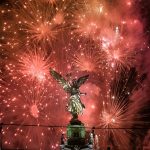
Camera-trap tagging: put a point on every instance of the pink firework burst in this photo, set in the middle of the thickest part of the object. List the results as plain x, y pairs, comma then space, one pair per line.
30, 103
35, 65
39, 26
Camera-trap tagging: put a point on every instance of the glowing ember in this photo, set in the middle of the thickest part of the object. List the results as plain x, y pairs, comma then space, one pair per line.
59, 18
34, 111
108, 118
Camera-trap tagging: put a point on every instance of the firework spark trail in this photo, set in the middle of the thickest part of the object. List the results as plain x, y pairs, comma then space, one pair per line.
37, 23
86, 57
115, 35
29, 103
35, 64
38, 27
116, 109
35, 94
31, 134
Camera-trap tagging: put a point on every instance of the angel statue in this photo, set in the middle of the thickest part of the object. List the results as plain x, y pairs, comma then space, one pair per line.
75, 106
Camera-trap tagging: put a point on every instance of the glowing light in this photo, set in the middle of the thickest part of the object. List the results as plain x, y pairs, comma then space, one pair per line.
35, 65
86, 26
87, 61
34, 111
42, 32
93, 107
37, 23
101, 9
59, 18
105, 43
108, 118
129, 3
51, 1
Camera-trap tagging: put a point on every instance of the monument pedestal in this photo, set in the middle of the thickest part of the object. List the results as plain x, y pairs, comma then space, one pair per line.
76, 137
76, 133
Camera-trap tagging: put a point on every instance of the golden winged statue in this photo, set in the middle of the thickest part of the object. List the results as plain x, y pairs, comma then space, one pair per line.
75, 106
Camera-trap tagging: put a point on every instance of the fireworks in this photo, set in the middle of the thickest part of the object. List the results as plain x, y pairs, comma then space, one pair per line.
86, 23
119, 59
86, 59
103, 38
39, 26
37, 23
116, 113
29, 103
35, 65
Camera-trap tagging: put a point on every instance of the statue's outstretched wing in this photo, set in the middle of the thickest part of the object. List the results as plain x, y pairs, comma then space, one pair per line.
82, 80
66, 86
